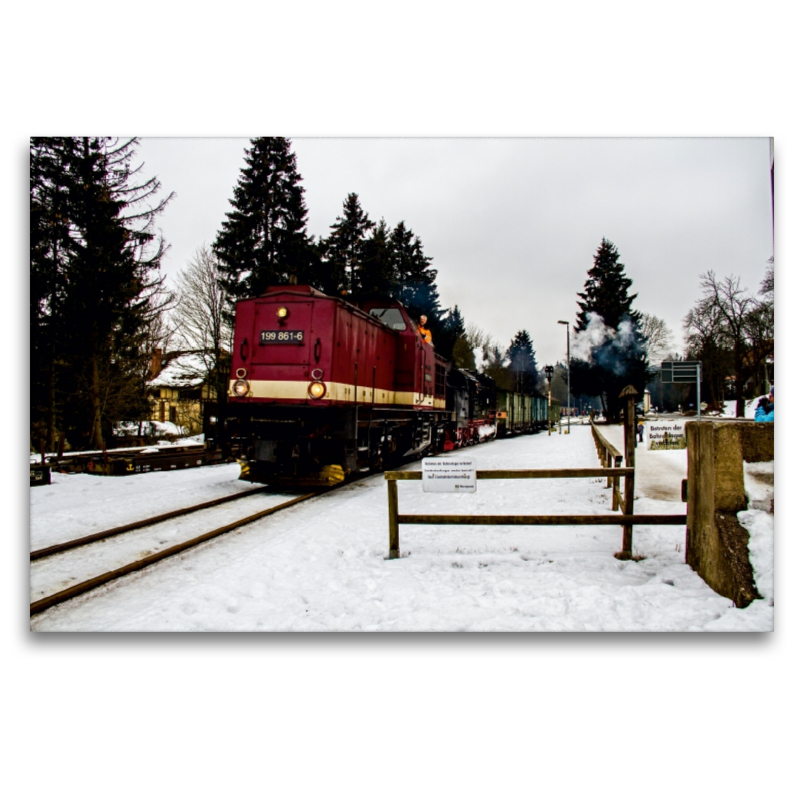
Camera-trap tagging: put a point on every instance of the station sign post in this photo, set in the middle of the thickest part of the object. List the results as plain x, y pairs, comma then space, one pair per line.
683, 372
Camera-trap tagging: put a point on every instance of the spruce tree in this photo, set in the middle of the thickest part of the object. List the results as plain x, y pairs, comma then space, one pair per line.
344, 248
463, 355
51, 160
618, 359
95, 279
522, 362
263, 240
376, 273
416, 279
451, 330
496, 367
111, 278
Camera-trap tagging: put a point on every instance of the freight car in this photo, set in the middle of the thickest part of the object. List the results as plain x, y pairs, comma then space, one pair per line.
520, 413
321, 389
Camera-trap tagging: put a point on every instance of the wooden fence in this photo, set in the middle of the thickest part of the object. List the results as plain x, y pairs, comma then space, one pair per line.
626, 519
606, 452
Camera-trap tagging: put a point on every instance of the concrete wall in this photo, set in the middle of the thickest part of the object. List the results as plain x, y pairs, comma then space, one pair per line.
716, 544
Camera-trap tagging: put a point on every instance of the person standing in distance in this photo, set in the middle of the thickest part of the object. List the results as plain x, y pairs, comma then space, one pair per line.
766, 407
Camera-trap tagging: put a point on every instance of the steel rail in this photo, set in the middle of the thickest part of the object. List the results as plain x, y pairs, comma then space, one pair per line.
63, 547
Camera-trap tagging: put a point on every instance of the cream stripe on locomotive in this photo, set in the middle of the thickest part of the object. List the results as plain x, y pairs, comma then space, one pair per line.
338, 392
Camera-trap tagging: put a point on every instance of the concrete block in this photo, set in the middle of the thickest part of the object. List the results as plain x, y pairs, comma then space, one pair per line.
716, 545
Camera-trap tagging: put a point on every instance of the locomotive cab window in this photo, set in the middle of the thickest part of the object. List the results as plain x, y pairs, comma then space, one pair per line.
390, 316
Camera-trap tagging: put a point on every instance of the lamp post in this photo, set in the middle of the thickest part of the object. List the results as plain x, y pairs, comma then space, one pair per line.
548, 373
569, 401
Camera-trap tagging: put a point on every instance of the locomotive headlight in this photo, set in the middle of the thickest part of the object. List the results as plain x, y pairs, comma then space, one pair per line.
241, 388
282, 312
317, 390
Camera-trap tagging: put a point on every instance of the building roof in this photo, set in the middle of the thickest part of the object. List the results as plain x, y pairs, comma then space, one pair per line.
180, 372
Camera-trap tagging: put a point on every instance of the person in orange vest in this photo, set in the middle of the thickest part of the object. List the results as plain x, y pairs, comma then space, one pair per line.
423, 331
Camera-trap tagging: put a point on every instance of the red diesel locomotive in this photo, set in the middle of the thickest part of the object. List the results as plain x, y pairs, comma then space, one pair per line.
321, 389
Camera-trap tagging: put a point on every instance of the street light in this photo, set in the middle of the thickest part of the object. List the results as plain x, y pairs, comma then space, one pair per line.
569, 403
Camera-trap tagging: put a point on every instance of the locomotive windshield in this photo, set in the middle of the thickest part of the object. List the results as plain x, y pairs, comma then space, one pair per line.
390, 316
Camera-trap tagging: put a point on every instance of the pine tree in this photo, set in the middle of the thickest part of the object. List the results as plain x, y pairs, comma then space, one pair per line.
111, 280
620, 358
263, 240
463, 355
96, 280
376, 273
344, 248
496, 367
450, 331
522, 362
416, 279
51, 246
606, 290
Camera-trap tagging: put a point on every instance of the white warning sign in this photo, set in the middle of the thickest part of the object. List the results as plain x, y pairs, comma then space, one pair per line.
667, 435
449, 475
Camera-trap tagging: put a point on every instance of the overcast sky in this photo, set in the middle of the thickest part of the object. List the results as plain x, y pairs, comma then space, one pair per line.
512, 224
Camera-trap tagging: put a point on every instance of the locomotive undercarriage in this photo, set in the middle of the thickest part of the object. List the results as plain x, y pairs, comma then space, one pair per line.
324, 446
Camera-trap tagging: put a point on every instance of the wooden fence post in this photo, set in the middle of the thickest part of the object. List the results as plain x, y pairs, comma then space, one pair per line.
394, 527
612, 462
629, 394
615, 486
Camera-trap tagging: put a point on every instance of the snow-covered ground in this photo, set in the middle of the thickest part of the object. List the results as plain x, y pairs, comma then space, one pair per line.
79, 505
322, 566
58, 572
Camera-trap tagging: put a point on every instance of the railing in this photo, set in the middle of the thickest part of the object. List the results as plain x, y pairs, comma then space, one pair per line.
627, 520
610, 457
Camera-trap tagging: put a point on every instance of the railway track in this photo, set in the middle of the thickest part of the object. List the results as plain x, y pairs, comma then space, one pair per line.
84, 586
64, 547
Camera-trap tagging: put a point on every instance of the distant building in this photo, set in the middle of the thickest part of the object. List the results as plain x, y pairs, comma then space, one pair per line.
178, 389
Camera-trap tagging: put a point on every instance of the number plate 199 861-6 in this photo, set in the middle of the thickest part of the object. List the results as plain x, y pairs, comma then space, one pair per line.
281, 337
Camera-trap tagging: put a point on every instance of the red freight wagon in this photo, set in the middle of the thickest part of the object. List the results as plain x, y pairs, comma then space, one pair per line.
320, 388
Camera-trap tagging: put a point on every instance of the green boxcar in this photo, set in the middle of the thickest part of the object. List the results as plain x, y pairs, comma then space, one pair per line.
519, 413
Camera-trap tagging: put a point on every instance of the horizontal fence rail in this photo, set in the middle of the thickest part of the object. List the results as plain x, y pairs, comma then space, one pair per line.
553, 519
510, 474
603, 444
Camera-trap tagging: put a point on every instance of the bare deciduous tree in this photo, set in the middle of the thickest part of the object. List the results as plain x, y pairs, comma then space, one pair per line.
476, 338
705, 342
768, 284
723, 312
200, 324
158, 334
760, 327
658, 337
